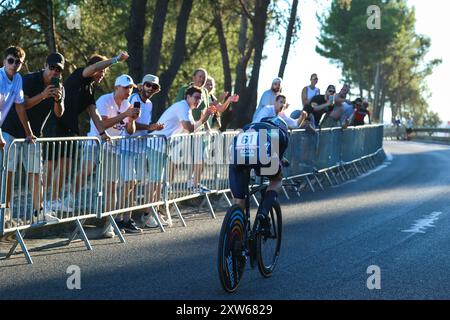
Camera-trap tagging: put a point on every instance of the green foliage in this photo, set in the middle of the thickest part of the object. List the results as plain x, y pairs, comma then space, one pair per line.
396, 47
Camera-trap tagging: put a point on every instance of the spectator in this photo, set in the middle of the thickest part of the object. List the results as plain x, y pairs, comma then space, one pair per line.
221, 107
201, 145
178, 117
310, 91
198, 80
409, 126
397, 124
268, 97
11, 92
140, 164
321, 104
79, 96
41, 97
278, 110
117, 116
341, 112
361, 111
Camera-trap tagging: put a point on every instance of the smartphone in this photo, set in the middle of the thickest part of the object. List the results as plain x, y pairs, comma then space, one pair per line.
55, 82
137, 105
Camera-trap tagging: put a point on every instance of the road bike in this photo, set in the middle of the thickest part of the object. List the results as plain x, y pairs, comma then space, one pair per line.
240, 241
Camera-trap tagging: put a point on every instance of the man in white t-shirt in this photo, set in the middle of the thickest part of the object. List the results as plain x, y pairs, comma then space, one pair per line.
278, 110
178, 119
143, 166
118, 116
11, 92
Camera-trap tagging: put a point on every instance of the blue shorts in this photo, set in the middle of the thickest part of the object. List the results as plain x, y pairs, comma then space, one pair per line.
239, 177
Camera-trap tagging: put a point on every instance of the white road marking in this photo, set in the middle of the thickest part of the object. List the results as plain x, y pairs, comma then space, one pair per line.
422, 224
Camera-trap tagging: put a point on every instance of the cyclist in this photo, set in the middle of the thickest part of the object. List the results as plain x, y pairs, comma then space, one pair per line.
259, 142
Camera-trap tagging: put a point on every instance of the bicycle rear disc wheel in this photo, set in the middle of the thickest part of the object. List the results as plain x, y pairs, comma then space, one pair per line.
268, 245
231, 251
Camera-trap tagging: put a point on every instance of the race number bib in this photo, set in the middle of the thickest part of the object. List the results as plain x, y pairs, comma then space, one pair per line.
247, 144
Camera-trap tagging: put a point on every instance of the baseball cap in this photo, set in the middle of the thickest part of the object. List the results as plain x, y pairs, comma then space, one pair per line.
277, 79
124, 81
55, 59
150, 78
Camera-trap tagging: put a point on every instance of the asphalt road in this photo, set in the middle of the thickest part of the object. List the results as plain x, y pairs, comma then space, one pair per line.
396, 218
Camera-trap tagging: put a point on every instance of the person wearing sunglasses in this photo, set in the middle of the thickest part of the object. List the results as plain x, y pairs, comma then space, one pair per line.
43, 93
310, 91
11, 92
321, 104
199, 79
146, 164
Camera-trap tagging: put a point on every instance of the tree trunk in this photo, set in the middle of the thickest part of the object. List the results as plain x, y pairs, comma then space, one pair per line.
135, 39
287, 44
223, 45
178, 56
247, 103
50, 36
156, 36
241, 67
376, 93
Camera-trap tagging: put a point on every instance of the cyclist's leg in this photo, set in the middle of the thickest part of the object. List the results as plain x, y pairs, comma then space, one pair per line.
239, 177
270, 196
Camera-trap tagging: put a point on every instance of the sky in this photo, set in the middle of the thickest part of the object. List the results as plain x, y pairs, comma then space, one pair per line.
303, 60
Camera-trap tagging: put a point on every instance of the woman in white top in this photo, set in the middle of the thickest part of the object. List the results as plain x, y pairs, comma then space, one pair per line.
310, 91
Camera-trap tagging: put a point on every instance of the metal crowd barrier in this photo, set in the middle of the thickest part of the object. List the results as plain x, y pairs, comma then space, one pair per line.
132, 171
74, 179
2, 191
192, 168
42, 184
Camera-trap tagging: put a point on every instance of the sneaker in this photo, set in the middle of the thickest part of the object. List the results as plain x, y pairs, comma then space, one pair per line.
265, 223
108, 231
149, 221
201, 189
130, 227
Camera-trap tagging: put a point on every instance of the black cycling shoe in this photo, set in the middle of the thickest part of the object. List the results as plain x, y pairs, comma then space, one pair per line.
265, 223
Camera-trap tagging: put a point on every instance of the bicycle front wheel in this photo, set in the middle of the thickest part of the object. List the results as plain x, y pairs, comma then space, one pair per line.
268, 244
231, 253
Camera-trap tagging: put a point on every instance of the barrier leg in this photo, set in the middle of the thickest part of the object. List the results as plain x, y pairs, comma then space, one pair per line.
226, 198
213, 215
310, 184
346, 173
179, 214
318, 181
83, 236
285, 192
156, 216
328, 178
19, 240
116, 228
356, 168
169, 216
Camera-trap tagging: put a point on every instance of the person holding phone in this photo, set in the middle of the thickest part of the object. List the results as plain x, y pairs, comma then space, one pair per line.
144, 163
43, 94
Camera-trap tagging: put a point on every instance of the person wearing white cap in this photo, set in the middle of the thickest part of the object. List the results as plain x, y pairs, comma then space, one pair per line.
269, 96
141, 164
118, 116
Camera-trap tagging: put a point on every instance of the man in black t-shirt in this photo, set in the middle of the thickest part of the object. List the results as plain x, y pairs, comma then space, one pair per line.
321, 104
41, 98
79, 88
